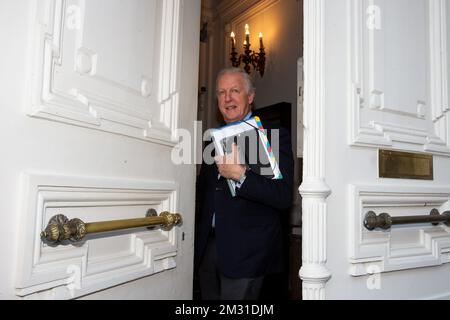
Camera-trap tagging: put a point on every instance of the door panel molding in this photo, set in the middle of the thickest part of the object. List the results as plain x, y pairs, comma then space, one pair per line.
103, 260
413, 114
402, 246
79, 79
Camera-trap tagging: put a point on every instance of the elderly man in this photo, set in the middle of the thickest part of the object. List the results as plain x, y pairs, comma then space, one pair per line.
239, 239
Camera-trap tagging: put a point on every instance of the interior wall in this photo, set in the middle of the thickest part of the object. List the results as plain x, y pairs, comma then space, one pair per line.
282, 29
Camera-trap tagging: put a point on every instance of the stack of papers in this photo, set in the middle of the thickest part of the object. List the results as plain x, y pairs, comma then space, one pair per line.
255, 151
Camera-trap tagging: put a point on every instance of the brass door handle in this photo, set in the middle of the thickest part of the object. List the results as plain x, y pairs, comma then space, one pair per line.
385, 221
60, 228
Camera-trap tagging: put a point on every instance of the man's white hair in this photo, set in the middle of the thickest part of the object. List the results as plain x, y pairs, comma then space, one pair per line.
248, 82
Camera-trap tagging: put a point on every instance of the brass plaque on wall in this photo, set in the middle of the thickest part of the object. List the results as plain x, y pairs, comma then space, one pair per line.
405, 165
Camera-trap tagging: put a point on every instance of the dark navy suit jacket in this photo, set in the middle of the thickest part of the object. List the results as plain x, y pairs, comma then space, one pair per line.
247, 227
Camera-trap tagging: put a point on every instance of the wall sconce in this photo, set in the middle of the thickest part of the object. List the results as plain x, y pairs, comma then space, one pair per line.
249, 57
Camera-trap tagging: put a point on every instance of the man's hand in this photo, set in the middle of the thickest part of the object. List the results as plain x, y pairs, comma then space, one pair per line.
229, 166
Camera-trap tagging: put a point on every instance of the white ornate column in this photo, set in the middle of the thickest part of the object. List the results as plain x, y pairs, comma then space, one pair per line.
314, 190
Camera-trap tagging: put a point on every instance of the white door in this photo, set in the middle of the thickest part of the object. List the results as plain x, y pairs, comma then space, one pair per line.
92, 93
376, 78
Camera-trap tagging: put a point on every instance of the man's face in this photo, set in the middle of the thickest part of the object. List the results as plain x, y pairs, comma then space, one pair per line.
234, 102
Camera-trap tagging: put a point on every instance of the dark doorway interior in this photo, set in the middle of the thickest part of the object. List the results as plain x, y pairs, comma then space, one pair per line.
285, 285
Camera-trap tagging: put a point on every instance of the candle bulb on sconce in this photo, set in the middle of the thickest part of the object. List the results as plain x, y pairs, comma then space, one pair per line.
233, 48
249, 57
247, 34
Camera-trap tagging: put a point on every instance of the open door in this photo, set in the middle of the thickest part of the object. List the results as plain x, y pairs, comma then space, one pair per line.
376, 81
93, 93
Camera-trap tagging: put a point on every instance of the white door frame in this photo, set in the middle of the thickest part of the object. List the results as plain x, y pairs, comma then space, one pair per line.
314, 189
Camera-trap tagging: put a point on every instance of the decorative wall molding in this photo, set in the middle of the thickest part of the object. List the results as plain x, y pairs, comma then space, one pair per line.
403, 246
446, 46
241, 12
237, 14
314, 189
231, 9
425, 122
439, 68
102, 260
67, 85
439, 71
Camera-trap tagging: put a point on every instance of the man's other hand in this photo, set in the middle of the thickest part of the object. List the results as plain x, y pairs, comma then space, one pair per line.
229, 165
